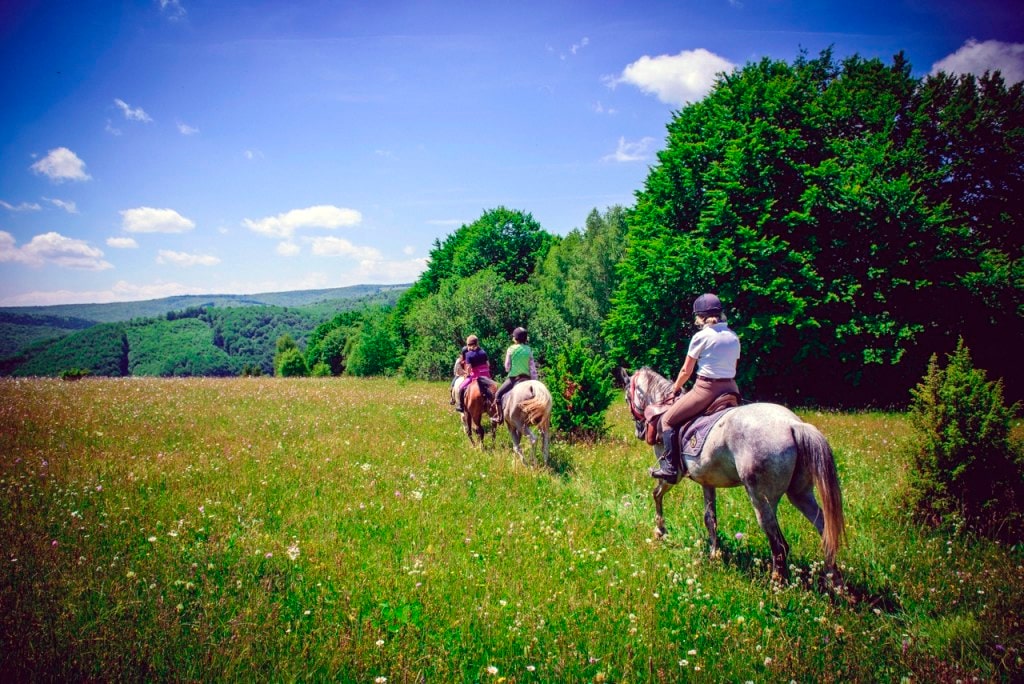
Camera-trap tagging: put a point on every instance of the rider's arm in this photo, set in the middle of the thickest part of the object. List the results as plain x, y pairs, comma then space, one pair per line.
684, 374
508, 359
533, 367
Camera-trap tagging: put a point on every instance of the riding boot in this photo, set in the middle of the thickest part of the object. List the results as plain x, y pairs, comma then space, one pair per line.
499, 415
669, 463
462, 400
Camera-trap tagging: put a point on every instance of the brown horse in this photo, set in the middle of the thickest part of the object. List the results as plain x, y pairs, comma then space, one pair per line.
474, 407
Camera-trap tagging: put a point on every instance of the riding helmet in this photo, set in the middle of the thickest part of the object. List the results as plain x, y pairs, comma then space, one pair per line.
519, 335
707, 305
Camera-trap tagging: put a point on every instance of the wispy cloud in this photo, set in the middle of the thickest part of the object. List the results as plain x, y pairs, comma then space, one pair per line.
122, 243
335, 246
150, 220
675, 79
185, 260
626, 151
61, 164
185, 129
23, 206
66, 205
172, 9
990, 55
132, 113
53, 248
320, 216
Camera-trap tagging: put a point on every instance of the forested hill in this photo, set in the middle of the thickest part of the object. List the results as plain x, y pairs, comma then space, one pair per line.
191, 335
326, 299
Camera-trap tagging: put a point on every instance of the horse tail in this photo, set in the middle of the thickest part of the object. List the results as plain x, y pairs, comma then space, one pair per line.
538, 408
815, 452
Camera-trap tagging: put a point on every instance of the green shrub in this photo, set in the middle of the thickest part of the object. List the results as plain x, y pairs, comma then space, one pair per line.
74, 373
963, 465
581, 390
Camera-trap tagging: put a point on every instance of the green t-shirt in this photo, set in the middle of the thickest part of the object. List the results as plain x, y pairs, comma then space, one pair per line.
519, 359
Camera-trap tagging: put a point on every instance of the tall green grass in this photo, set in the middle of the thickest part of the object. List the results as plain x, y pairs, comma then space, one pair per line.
345, 530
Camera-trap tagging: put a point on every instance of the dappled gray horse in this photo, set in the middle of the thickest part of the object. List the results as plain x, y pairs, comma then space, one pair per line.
528, 405
765, 448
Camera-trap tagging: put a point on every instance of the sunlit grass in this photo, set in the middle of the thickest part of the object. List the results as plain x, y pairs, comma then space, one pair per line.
344, 530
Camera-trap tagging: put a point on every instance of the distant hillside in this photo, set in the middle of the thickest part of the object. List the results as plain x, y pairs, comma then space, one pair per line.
28, 326
126, 311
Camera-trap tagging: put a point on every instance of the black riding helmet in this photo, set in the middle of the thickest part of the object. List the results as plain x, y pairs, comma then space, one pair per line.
707, 305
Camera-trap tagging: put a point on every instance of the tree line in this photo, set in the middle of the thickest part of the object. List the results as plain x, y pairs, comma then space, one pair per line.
855, 219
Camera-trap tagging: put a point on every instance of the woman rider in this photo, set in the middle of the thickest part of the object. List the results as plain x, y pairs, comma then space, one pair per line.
714, 351
474, 358
519, 365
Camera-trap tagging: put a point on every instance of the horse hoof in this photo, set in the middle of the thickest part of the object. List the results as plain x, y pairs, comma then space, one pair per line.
660, 532
716, 554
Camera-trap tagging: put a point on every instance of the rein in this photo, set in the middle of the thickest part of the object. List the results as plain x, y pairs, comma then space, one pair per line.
638, 414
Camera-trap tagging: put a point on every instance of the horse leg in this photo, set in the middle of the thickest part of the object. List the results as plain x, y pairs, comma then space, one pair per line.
808, 505
659, 514
514, 432
711, 521
546, 447
767, 518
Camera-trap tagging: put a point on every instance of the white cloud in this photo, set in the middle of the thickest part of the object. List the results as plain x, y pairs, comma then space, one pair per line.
67, 206
333, 246
375, 271
53, 248
990, 55
186, 260
172, 9
122, 291
149, 220
288, 249
132, 114
61, 164
675, 79
321, 216
112, 129
122, 243
580, 45
24, 206
185, 129
631, 151
253, 154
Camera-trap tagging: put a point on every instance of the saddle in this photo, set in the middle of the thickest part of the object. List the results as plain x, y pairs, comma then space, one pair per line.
697, 428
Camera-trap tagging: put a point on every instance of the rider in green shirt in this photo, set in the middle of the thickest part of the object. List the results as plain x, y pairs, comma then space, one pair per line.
519, 364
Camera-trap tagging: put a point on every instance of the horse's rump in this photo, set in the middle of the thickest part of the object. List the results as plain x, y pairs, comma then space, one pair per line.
533, 400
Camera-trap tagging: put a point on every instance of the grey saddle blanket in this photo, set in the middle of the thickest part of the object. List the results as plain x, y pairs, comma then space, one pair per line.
696, 433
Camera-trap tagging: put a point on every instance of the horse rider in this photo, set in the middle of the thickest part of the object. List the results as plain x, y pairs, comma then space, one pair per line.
714, 351
459, 373
519, 365
475, 359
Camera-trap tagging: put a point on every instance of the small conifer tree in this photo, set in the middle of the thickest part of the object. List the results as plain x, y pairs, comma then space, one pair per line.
581, 390
963, 465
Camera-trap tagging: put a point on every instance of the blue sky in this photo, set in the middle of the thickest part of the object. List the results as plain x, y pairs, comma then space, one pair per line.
158, 147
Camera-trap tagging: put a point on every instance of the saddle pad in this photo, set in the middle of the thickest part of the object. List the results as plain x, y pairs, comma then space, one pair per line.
692, 440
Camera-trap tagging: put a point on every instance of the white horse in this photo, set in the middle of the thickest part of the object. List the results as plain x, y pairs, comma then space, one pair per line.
768, 450
528, 405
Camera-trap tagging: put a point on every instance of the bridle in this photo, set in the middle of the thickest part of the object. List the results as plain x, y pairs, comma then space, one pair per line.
635, 395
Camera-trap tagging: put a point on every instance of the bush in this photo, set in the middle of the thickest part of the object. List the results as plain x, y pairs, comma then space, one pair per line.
581, 390
964, 468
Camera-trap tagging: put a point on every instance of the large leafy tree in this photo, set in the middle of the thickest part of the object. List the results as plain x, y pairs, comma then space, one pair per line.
806, 196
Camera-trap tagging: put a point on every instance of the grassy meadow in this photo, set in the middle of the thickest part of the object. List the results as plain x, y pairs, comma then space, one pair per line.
344, 530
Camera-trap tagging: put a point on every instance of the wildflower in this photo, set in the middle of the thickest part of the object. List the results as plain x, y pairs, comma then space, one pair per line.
684, 662
53, 544
293, 551
692, 652
380, 642
151, 540
739, 536
767, 662
380, 680
491, 670
530, 668
268, 554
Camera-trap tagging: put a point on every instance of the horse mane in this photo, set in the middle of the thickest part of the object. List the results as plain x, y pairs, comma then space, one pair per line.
660, 384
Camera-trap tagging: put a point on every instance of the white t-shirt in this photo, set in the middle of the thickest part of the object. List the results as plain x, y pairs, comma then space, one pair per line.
717, 349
